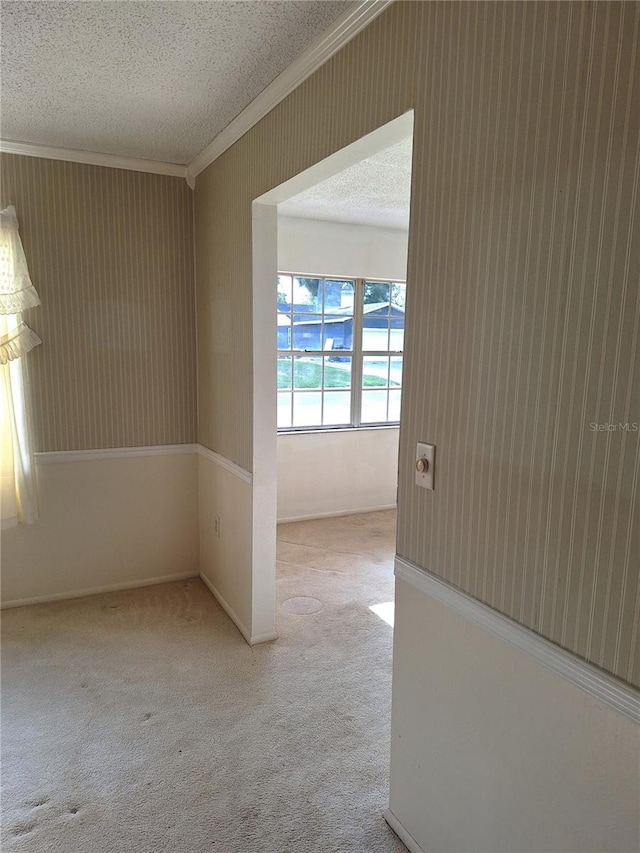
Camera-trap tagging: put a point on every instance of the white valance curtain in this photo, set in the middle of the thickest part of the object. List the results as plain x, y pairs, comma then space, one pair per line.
18, 497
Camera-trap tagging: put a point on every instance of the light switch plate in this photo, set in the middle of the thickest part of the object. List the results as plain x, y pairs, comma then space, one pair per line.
427, 454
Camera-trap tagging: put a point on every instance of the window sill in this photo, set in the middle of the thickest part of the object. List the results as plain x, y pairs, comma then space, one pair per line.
330, 430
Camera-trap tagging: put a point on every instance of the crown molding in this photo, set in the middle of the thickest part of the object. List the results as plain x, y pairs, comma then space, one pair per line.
91, 158
322, 49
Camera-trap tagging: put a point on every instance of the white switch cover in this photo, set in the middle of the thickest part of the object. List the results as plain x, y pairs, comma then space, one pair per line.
426, 459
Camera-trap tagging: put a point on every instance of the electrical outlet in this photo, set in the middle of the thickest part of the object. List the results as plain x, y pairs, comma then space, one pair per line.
216, 525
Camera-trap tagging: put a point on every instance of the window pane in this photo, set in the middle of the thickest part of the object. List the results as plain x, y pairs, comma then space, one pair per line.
374, 406
284, 330
307, 331
338, 296
337, 371
376, 293
338, 333
284, 372
307, 409
307, 292
307, 371
398, 295
395, 374
396, 344
284, 291
375, 332
284, 409
337, 408
394, 405
375, 372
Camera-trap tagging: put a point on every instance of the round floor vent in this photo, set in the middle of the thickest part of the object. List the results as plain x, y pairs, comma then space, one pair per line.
302, 605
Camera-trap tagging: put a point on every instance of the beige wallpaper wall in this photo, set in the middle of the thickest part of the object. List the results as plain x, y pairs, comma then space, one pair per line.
523, 306
111, 254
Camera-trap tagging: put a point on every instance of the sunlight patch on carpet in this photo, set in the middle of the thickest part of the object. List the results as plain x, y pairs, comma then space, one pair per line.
385, 611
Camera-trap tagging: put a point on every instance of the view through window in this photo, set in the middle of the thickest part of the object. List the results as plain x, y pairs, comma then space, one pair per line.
340, 343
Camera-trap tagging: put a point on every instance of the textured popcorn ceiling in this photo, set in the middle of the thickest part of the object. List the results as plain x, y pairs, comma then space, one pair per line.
376, 191
153, 79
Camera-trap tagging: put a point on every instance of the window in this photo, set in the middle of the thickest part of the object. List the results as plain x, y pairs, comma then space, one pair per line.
340, 343
18, 500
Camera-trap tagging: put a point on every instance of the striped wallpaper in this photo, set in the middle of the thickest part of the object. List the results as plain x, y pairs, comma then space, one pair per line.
523, 299
111, 254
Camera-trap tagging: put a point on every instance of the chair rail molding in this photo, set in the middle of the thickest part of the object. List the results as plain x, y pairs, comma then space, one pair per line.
599, 684
227, 464
99, 454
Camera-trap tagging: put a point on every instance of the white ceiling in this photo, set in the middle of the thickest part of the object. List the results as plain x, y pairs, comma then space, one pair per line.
154, 79
375, 191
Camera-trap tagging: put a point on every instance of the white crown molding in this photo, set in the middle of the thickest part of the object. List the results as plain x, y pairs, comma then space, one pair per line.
322, 49
587, 677
112, 161
54, 457
227, 464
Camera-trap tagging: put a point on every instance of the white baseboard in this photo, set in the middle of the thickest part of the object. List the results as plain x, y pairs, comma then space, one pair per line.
407, 839
586, 676
97, 590
226, 607
251, 640
338, 514
256, 639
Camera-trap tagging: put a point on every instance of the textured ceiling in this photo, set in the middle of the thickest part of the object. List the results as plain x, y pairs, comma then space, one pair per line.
376, 191
152, 79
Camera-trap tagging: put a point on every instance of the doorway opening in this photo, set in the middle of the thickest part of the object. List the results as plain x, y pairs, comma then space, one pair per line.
330, 253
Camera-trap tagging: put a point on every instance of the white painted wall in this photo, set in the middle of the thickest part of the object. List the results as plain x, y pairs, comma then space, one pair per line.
225, 560
335, 248
107, 523
493, 752
322, 474
334, 473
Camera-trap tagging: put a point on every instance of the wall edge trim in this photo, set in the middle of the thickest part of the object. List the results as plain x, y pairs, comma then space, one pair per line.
598, 684
93, 158
347, 26
227, 464
97, 590
337, 514
57, 456
407, 839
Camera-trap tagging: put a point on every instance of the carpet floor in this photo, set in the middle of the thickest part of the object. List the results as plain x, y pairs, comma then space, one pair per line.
141, 720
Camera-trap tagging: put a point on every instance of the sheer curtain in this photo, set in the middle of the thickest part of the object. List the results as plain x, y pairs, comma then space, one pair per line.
18, 497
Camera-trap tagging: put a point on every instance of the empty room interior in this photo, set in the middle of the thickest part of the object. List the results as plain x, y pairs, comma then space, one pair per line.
320, 426
340, 297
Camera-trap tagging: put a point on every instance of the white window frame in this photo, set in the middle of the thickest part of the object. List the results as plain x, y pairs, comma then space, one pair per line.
357, 355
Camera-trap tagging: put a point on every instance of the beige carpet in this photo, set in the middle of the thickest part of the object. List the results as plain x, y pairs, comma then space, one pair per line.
141, 721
